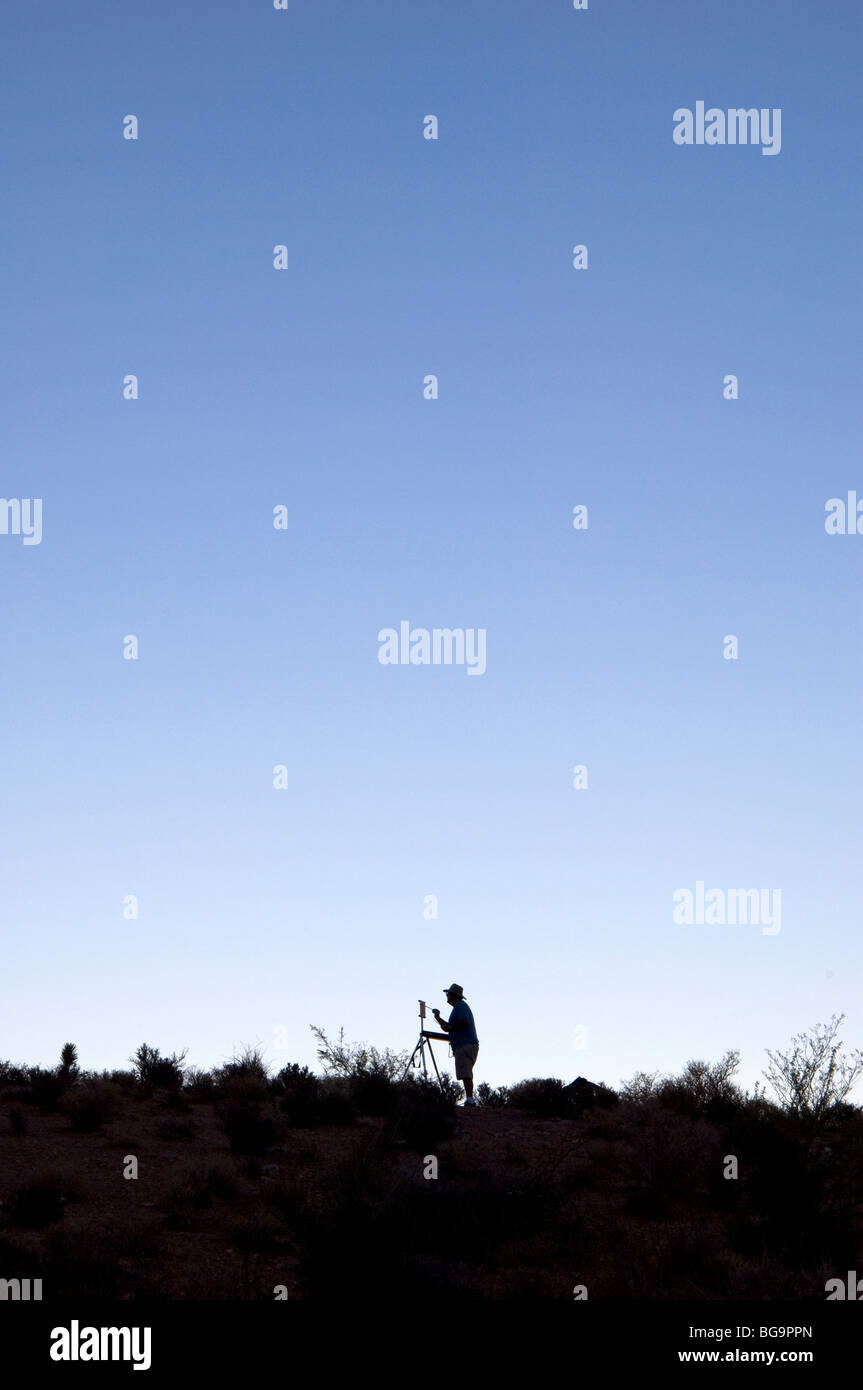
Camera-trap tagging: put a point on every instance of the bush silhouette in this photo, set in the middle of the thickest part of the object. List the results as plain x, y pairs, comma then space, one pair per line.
542, 1096
12, 1075
90, 1104
299, 1092
814, 1075
372, 1091
47, 1088
250, 1129
419, 1114
357, 1059
151, 1067
520, 1209
701, 1089
69, 1060
307, 1100
199, 1085
496, 1096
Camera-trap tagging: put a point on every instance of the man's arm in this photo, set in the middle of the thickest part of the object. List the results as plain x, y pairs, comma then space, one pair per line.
450, 1027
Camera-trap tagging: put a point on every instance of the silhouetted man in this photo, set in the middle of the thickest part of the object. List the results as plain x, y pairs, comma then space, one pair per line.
463, 1039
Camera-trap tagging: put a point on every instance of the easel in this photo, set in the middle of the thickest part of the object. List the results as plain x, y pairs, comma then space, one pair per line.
425, 1041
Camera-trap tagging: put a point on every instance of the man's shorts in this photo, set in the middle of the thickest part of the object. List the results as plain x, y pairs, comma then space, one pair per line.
464, 1057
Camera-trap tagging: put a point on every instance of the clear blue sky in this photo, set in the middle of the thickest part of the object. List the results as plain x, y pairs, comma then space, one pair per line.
263, 909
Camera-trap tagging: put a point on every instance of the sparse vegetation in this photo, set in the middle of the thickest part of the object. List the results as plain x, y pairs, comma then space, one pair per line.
199, 1085
357, 1059
322, 1182
69, 1062
495, 1096
539, 1095
814, 1075
47, 1088
91, 1103
249, 1126
151, 1067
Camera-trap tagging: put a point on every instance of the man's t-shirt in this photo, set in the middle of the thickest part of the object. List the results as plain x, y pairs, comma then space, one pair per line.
457, 1036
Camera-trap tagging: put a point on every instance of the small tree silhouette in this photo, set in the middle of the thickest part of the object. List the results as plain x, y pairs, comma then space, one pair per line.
357, 1059
813, 1077
150, 1066
69, 1061
708, 1083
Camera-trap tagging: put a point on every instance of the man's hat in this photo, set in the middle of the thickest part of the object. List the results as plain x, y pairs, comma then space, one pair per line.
454, 989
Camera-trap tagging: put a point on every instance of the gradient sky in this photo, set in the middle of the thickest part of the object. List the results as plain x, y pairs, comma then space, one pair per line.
261, 909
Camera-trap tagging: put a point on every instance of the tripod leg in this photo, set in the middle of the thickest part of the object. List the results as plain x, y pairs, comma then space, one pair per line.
417, 1049
434, 1064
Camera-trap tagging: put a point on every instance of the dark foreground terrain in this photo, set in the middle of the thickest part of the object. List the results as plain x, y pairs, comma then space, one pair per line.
355, 1189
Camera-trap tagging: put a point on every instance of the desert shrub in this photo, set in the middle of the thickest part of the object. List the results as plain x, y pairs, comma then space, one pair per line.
90, 1104
243, 1078
298, 1090
69, 1062
495, 1096
150, 1066
641, 1086
47, 1088
357, 1059
38, 1202
814, 1075
121, 1077
307, 1100
420, 1114
841, 1117
199, 1085
249, 1127
372, 1090
245, 1075
542, 1096
451, 1090
702, 1089
12, 1075
335, 1106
